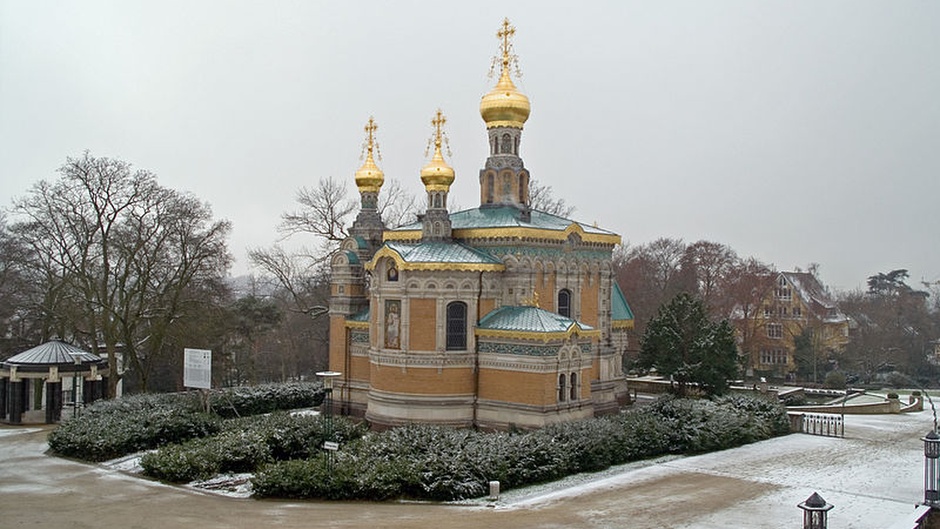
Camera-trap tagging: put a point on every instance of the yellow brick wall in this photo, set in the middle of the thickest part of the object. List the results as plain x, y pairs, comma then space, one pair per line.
487, 305
537, 389
423, 380
589, 301
422, 332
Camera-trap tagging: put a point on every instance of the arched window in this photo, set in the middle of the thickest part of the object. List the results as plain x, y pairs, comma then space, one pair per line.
490, 185
457, 326
506, 147
564, 302
562, 390
437, 201
574, 386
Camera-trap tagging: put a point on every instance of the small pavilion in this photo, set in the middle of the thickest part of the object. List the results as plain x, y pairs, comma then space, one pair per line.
36, 384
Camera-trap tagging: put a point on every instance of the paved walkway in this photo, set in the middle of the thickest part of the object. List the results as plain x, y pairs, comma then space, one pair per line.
873, 477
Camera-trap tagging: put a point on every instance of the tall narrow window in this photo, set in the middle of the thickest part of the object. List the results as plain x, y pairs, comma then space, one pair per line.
490, 188
457, 326
574, 386
562, 390
564, 302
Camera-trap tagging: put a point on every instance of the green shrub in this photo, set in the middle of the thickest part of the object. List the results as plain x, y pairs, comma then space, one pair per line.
113, 428
265, 398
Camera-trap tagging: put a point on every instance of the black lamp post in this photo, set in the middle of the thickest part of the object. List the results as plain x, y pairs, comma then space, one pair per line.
815, 512
932, 468
327, 409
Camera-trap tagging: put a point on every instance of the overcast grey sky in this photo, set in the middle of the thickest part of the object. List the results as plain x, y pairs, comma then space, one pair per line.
795, 132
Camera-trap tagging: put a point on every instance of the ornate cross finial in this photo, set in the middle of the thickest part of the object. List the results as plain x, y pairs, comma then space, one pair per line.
439, 136
504, 34
506, 58
371, 143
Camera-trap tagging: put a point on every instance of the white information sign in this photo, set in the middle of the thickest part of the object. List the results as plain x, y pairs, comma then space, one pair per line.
330, 445
197, 368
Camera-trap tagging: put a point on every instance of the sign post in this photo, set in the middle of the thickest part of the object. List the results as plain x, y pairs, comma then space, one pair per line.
197, 372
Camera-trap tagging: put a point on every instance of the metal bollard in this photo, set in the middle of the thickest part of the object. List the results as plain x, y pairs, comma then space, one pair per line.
494, 491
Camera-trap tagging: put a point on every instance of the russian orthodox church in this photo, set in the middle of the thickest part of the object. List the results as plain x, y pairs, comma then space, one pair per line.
495, 317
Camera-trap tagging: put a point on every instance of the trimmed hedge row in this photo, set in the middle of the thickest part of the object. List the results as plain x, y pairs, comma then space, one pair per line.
437, 463
245, 444
113, 428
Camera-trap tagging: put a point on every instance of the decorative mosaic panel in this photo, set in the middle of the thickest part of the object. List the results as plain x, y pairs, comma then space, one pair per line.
518, 349
359, 337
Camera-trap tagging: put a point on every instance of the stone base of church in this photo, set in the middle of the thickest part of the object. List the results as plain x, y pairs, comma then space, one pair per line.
388, 410
493, 415
609, 395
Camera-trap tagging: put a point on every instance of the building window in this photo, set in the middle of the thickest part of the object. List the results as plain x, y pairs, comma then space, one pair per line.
797, 312
490, 188
562, 389
774, 330
457, 326
574, 386
773, 357
564, 302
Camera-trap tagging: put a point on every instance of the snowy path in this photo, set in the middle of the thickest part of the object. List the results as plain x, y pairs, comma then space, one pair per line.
873, 477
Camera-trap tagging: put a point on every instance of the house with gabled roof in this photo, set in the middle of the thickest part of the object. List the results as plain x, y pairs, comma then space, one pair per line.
798, 306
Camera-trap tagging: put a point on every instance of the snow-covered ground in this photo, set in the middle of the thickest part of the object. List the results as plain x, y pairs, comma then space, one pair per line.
873, 477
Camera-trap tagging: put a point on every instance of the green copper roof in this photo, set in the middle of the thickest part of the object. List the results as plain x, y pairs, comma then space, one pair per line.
620, 309
508, 217
361, 316
528, 319
441, 252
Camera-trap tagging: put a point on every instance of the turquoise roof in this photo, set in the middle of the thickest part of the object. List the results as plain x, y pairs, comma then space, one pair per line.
620, 309
508, 217
441, 252
528, 319
361, 316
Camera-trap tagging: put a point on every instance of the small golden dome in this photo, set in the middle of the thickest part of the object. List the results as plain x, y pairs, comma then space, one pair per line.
505, 106
369, 178
437, 175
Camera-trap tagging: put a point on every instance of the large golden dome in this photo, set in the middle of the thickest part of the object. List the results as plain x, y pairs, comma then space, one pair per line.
369, 178
437, 175
505, 106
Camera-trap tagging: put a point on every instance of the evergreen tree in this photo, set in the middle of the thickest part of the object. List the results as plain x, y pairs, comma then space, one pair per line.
682, 343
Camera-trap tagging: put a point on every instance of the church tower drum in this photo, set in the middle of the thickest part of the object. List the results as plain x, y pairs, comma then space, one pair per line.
504, 180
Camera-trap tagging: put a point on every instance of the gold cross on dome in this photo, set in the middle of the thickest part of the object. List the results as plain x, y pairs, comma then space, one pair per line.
504, 34
371, 144
438, 124
370, 133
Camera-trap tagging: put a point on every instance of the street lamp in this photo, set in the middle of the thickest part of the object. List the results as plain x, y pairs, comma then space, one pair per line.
815, 512
329, 444
931, 468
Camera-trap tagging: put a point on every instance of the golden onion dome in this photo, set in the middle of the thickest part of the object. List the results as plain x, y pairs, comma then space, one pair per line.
437, 175
504, 105
369, 178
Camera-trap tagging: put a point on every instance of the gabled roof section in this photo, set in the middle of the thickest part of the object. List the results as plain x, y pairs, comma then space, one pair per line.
436, 256
620, 314
814, 294
531, 323
503, 221
53, 353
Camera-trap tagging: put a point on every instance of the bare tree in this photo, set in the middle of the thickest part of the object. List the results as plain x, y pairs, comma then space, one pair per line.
117, 254
709, 264
541, 198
